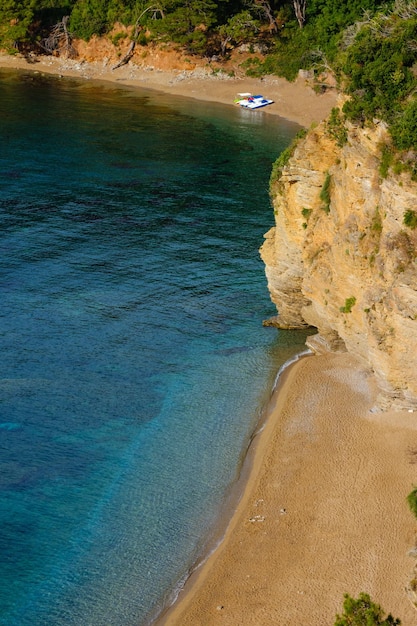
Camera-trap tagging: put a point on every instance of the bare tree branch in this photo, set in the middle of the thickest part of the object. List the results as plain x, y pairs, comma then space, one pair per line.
405, 8
59, 40
300, 11
156, 10
263, 8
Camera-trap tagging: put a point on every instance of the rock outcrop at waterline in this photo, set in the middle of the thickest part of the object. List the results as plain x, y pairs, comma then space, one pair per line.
340, 257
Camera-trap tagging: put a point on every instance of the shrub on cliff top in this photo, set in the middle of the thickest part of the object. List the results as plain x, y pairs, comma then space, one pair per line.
410, 219
336, 127
363, 612
379, 66
325, 193
412, 501
349, 303
387, 158
404, 129
284, 157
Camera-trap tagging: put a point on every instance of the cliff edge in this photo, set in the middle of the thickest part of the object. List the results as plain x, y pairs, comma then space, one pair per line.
341, 257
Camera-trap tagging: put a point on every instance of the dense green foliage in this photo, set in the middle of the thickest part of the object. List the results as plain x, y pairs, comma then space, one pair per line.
363, 612
25, 20
379, 65
404, 127
205, 26
349, 303
410, 219
202, 26
336, 127
317, 44
284, 157
412, 501
325, 193
379, 68
387, 157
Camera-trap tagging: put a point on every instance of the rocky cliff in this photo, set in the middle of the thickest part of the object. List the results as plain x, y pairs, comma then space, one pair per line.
340, 257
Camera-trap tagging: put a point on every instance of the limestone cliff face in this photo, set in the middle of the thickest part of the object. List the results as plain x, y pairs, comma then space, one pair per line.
342, 260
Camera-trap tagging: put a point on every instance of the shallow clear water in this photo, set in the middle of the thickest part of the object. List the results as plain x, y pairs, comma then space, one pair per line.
134, 365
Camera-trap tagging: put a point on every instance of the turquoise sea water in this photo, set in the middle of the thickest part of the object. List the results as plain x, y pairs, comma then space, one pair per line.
134, 365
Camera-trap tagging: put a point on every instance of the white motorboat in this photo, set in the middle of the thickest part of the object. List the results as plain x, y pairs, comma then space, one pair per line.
247, 101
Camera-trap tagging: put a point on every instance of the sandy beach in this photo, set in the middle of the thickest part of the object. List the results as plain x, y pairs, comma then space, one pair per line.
324, 512
324, 509
296, 101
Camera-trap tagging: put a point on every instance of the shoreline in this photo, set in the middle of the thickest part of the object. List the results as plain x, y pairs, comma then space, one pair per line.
232, 501
322, 508
296, 102
232, 504
323, 511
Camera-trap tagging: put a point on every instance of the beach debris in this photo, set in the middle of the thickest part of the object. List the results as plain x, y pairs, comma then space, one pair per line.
257, 518
283, 511
220, 607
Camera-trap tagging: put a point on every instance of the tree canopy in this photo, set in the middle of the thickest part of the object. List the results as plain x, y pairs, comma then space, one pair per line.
198, 24
363, 612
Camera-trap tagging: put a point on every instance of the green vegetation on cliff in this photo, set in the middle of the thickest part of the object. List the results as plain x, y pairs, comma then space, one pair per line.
284, 157
292, 33
380, 67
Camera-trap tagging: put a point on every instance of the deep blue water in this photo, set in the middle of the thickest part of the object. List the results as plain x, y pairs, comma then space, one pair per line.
134, 366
